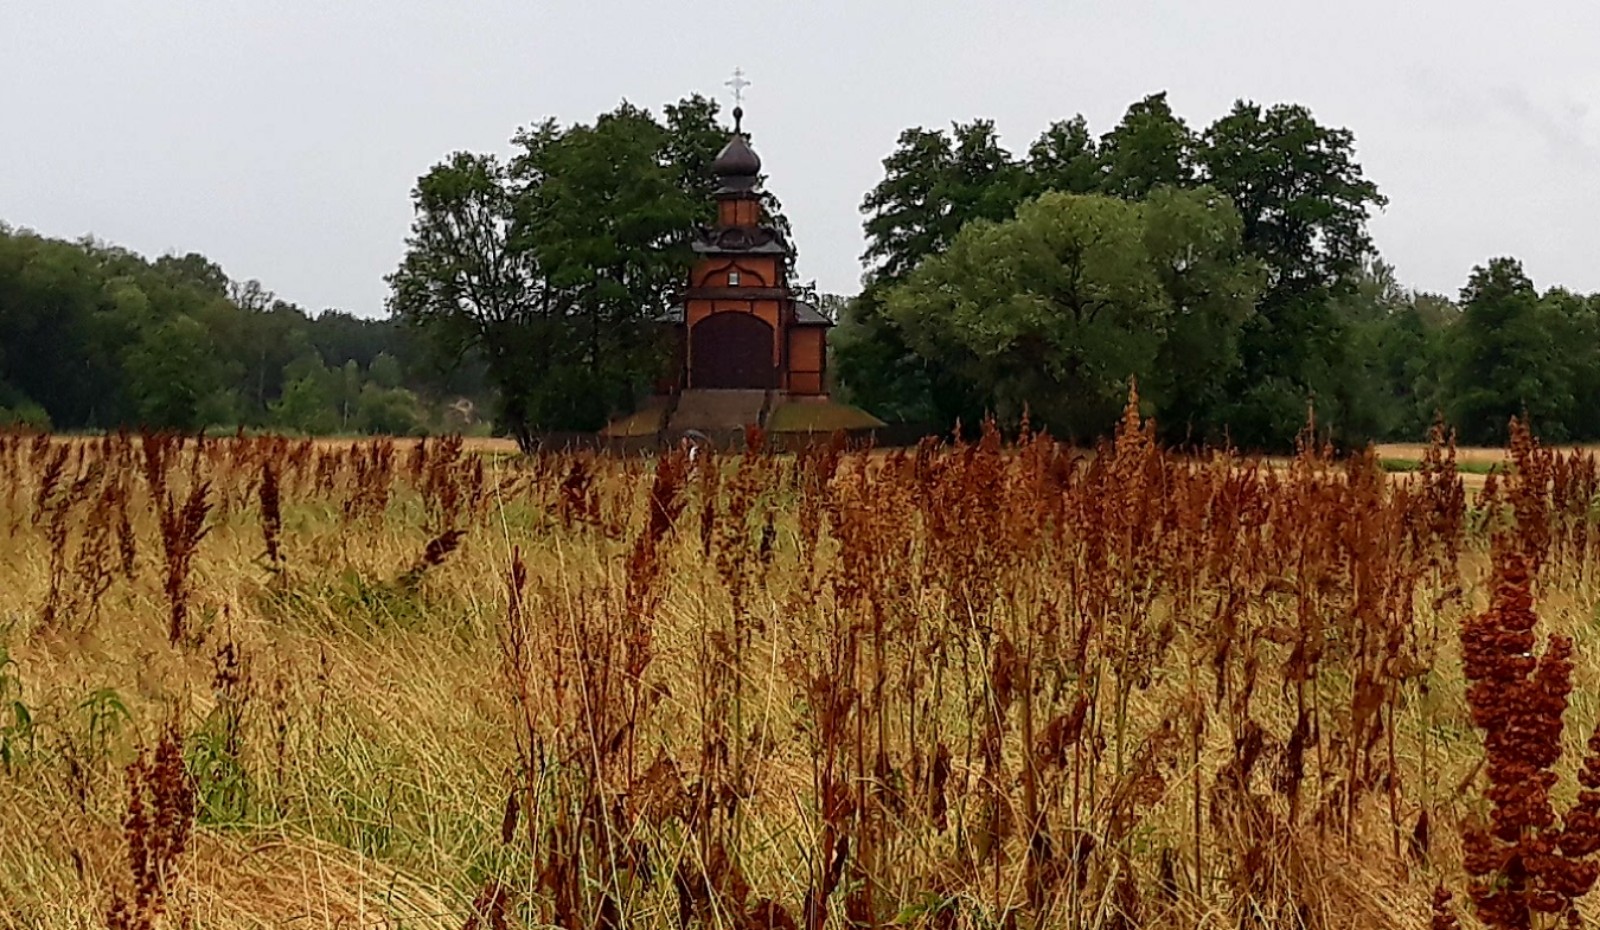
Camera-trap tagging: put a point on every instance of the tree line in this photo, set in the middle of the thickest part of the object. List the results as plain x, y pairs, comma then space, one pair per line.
96, 337
1229, 270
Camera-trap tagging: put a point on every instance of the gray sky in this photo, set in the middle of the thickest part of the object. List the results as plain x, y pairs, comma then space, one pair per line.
282, 139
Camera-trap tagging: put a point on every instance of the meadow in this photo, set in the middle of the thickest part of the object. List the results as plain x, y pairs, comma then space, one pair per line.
261, 682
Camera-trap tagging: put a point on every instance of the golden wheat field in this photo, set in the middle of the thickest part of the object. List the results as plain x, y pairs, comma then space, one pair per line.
267, 683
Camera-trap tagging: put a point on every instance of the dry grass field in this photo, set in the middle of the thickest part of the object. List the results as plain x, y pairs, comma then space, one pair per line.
262, 683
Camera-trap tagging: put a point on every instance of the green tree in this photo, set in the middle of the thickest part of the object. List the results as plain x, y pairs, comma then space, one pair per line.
1150, 148
1396, 343
934, 185
466, 288
1575, 320
605, 215
875, 368
1507, 363
1304, 202
340, 337
1065, 158
1058, 308
254, 346
61, 330
387, 411
23, 413
1194, 241
95, 336
347, 383
385, 371
174, 376
194, 270
308, 403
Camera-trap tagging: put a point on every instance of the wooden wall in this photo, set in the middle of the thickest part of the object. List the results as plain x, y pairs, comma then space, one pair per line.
754, 271
738, 211
807, 360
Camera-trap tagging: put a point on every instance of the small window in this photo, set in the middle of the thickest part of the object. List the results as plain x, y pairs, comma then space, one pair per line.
733, 279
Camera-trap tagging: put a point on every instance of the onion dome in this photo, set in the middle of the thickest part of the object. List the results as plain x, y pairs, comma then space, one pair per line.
737, 166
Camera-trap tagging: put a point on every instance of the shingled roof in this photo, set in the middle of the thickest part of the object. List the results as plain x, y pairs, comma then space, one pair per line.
806, 314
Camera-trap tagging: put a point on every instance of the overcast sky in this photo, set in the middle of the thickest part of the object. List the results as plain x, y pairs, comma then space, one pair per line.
282, 139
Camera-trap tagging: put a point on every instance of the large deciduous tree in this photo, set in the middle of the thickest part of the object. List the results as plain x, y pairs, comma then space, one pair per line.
1397, 344
1304, 202
175, 380
935, 183
603, 214
462, 281
1065, 158
1056, 309
1507, 361
1575, 322
1194, 240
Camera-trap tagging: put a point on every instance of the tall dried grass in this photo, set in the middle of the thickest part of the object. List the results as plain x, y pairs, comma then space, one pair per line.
1005, 683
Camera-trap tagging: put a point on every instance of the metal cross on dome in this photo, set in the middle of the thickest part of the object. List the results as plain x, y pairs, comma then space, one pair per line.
738, 83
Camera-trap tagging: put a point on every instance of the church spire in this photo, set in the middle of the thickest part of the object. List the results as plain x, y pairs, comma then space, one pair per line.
737, 167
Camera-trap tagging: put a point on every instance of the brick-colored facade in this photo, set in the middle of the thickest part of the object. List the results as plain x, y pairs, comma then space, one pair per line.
778, 342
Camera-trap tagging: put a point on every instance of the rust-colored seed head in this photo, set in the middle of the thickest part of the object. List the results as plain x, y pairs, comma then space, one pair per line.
161, 809
1526, 860
271, 513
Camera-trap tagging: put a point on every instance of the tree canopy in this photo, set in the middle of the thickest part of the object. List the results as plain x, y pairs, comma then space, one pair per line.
1055, 309
1272, 298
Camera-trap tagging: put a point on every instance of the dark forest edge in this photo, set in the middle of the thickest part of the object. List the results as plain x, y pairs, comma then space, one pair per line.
1229, 270
94, 337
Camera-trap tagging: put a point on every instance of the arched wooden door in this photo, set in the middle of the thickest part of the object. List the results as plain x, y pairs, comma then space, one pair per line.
732, 350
